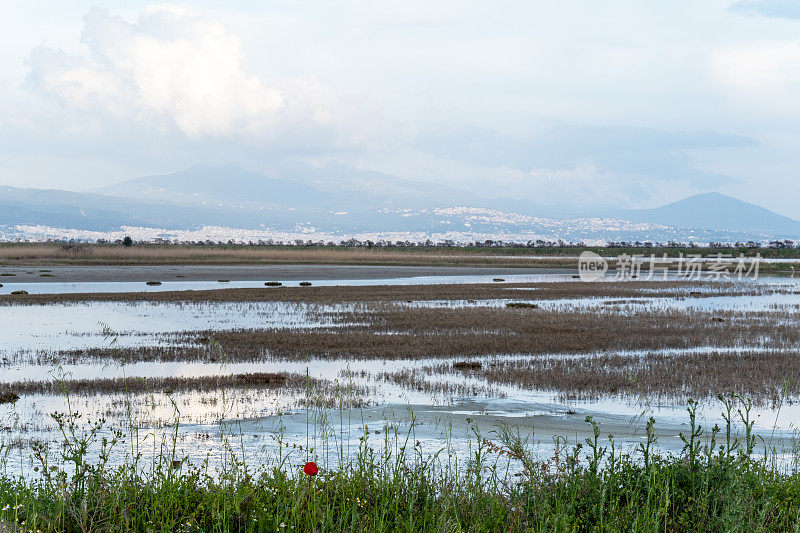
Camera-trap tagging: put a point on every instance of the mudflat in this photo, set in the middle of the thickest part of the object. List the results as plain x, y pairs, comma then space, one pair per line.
288, 272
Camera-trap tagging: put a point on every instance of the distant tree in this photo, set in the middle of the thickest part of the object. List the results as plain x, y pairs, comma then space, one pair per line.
127, 241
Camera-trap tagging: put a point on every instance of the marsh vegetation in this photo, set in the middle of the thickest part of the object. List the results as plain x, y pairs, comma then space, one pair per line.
456, 395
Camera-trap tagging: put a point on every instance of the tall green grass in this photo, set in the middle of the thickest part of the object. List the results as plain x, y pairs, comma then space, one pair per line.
718, 482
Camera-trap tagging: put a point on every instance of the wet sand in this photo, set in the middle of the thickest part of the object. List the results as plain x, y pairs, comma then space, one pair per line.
142, 273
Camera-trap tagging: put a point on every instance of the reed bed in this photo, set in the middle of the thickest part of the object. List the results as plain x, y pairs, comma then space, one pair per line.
418, 380
590, 340
161, 384
435, 332
405, 293
768, 377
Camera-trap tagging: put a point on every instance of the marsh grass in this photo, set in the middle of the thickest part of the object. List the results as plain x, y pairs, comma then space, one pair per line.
454, 332
159, 384
723, 479
522, 305
7, 396
58, 254
421, 382
768, 377
718, 482
574, 351
400, 293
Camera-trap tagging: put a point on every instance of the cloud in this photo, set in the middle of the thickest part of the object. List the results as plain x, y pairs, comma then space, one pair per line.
173, 68
789, 9
771, 66
628, 155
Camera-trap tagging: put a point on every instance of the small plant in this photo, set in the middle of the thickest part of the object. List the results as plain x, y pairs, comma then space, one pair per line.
8, 397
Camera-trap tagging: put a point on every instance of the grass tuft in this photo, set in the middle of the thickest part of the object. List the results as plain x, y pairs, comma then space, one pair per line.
8, 397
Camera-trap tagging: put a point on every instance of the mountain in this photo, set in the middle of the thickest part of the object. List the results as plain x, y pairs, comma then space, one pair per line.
339, 201
98, 212
333, 187
200, 185
715, 211
76, 210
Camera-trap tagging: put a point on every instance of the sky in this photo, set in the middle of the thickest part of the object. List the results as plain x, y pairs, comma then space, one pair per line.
562, 102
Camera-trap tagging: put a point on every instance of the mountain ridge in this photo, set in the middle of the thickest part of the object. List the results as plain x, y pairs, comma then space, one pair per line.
348, 201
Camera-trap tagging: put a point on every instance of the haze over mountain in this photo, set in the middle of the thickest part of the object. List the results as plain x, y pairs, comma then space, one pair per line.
332, 187
357, 202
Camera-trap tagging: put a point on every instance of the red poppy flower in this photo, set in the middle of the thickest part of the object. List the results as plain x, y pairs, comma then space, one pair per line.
310, 469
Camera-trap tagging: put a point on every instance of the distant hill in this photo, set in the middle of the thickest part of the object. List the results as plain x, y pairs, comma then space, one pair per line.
218, 184
330, 188
92, 211
341, 201
716, 211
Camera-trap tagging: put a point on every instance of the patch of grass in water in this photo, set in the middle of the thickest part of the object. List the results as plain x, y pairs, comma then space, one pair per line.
273, 283
153, 283
522, 305
19, 292
467, 365
305, 283
8, 397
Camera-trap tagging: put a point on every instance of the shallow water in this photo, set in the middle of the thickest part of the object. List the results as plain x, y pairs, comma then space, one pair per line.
259, 417
130, 324
131, 286
56, 287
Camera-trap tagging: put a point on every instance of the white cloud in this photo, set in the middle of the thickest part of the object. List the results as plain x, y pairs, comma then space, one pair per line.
771, 66
227, 83
173, 67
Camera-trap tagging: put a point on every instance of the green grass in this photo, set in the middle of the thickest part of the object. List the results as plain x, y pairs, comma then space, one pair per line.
717, 483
